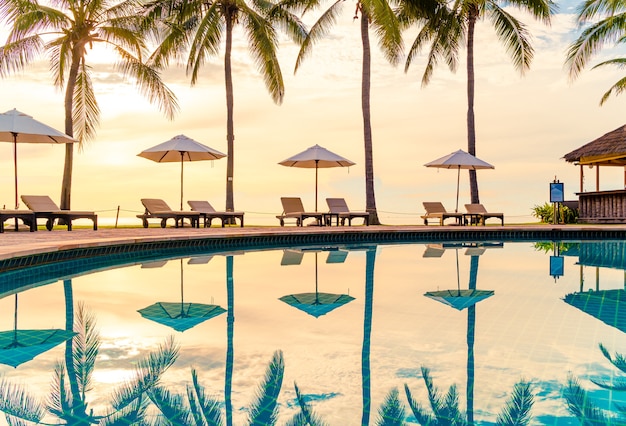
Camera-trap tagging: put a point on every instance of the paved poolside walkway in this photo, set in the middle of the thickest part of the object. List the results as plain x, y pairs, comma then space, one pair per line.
22, 243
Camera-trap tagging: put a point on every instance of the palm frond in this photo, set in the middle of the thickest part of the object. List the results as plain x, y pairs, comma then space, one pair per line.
15, 401
171, 405
449, 413
262, 45
387, 29
306, 414
319, 30
149, 83
133, 414
391, 413
618, 384
434, 397
14, 56
205, 42
517, 410
423, 418
85, 111
59, 400
588, 10
283, 18
591, 40
203, 408
618, 88
148, 373
86, 345
581, 406
619, 361
263, 410
513, 35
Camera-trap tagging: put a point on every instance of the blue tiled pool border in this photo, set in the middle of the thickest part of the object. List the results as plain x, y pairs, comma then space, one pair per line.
20, 271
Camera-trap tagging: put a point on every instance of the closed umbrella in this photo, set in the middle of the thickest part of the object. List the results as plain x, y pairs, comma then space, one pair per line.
17, 127
459, 160
180, 148
316, 157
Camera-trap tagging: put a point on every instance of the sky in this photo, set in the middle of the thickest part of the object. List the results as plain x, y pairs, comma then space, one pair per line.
524, 124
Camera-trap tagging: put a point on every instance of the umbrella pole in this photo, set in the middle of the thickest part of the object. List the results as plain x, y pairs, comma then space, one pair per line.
15, 168
182, 311
181, 179
15, 322
316, 294
458, 280
458, 179
316, 161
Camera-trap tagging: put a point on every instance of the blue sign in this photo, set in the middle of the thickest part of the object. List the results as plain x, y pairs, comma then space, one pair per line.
557, 193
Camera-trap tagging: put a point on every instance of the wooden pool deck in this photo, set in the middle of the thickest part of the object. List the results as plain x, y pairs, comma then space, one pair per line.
23, 243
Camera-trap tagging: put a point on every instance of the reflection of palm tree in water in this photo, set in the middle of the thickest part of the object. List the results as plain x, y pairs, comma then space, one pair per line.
72, 379
367, 334
445, 409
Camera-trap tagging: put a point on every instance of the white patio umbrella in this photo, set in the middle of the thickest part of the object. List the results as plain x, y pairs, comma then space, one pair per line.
17, 127
316, 157
181, 148
459, 160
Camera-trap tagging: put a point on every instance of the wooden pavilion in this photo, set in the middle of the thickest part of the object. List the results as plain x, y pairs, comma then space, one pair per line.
607, 150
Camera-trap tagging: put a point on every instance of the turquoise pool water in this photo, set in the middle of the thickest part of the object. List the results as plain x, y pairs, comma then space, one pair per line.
514, 312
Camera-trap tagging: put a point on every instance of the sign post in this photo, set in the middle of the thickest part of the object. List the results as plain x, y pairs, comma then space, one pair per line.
557, 196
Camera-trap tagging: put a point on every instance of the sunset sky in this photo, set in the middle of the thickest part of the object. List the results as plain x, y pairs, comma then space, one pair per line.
524, 127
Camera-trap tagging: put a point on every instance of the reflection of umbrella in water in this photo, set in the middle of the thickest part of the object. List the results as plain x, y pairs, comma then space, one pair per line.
470, 304
180, 148
19, 346
317, 304
316, 157
457, 298
609, 306
181, 315
459, 160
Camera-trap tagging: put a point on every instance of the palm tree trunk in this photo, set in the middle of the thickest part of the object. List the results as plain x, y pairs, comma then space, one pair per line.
230, 131
471, 126
66, 185
366, 372
370, 199
230, 349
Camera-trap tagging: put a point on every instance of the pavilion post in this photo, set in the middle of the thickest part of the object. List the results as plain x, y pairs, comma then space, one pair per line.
582, 176
597, 177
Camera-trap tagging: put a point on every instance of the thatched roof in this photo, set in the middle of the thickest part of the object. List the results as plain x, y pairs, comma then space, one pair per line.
608, 149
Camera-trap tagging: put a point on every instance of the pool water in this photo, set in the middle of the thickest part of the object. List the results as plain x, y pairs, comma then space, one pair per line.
514, 312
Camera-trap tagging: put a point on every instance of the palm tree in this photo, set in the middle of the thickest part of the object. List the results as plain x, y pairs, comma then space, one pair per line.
66, 34
72, 382
380, 15
199, 27
609, 28
448, 27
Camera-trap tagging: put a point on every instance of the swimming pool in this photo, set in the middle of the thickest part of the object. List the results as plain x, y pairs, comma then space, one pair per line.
482, 317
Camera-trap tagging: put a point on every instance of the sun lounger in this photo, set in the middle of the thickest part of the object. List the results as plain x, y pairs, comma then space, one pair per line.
436, 210
208, 213
339, 207
479, 214
158, 209
26, 216
43, 207
293, 209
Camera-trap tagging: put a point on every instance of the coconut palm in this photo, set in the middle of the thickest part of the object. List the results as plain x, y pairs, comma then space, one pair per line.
379, 15
66, 34
68, 400
450, 26
608, 28
197, 28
